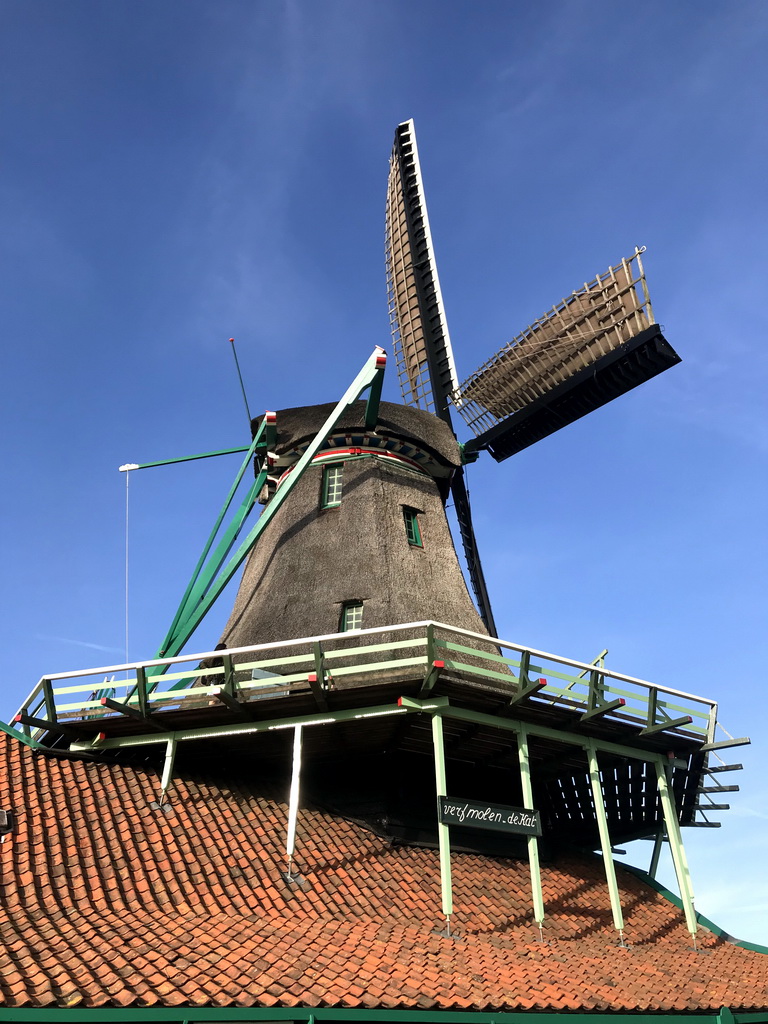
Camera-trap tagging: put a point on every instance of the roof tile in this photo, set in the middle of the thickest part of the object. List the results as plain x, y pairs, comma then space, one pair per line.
120, 906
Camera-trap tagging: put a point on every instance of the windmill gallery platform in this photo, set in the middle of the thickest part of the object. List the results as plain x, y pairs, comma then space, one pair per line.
270, 849
363, 805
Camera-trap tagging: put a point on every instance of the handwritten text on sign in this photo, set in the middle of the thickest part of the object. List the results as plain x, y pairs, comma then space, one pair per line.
496, 817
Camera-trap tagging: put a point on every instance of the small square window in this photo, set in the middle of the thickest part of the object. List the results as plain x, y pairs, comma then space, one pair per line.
332, 481
351, 616
412, 531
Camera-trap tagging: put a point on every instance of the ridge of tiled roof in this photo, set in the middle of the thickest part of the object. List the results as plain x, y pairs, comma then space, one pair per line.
109, 902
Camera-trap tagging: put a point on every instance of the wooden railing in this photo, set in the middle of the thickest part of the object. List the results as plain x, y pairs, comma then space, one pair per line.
416, 650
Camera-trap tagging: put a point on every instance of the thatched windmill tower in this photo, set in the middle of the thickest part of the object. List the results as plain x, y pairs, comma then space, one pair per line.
364, 541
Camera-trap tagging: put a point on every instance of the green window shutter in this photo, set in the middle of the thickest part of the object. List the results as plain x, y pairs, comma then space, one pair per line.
332, 481
412, 531
351, 616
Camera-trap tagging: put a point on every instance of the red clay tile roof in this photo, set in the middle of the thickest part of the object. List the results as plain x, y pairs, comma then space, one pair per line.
106, 902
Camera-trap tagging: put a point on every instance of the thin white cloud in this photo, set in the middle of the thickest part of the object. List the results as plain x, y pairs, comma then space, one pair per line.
78, 643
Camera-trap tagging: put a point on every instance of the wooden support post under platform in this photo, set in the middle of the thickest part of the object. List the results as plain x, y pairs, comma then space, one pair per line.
658, 842
533, 842
293, 800
443, 835
170, 757
605, 840
676, 847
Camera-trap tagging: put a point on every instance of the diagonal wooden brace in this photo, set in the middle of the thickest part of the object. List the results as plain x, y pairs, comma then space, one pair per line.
126, 709
222, 693
317, 691
42, 723
669, 723
433, 674
742, 741
525, 692
603, 709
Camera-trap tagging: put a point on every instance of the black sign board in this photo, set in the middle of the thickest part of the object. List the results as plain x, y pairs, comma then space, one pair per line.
495, 817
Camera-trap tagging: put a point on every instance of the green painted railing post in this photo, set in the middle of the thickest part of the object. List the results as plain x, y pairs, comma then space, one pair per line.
605, 839
443, 834
50, 703
596, 685
317, 652
533, 842
525, 664
141, 690
676, 847
653, 697
430, 645
229, 676
25, 727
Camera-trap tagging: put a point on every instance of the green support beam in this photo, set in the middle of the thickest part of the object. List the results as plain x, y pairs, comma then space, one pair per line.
676, 847
243, 728
605, 839
259, 442
658, 842
546, 732
181, 458
209, 580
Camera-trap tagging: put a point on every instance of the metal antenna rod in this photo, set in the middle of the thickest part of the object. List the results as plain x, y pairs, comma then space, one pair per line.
240, 378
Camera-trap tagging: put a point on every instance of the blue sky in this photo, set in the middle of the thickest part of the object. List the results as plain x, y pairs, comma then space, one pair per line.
177, 173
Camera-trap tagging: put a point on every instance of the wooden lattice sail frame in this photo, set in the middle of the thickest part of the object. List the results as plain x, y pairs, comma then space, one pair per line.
598, 343
581, 329
422, 345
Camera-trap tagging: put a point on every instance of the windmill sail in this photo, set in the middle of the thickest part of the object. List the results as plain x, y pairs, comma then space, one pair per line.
422, 345
417, 319
596, 344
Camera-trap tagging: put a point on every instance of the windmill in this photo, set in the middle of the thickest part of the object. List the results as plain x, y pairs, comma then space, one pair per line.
594, 345
353, 626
